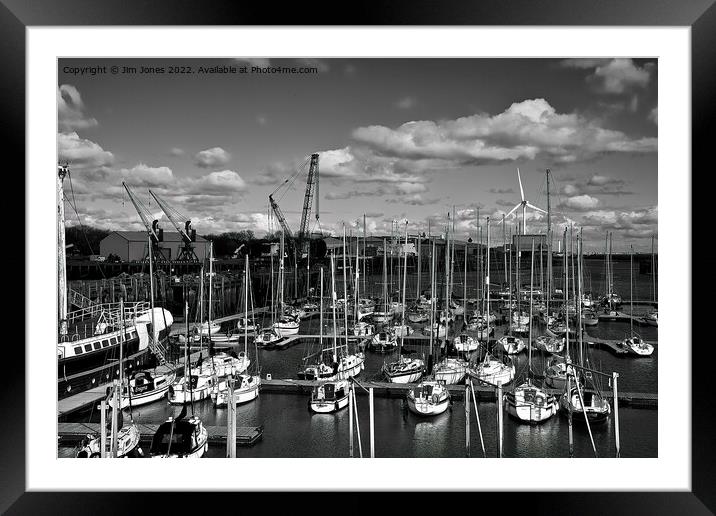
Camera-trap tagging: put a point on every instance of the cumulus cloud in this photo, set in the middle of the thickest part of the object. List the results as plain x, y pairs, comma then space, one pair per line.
223, 182
144, 175
71, 110
82, 153
613, 76
176, 151
526, 130
581, 202
212, 158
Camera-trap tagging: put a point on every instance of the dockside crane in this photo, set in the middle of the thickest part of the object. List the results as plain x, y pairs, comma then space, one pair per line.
183, 227
156, 233
311, 191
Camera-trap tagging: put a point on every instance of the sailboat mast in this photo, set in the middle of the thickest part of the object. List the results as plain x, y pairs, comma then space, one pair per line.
365, 237
464, 287
529, 338
246, 305
580, 322
418, 242
280, 274
509, 294
447, 280
631, 290
487, 278
320, 317
357, 292
432, 307
334, 297
549, 246
211, 284
151, 289
345, 288
61, 258
385, 276
566, 294
653, 271
405, 273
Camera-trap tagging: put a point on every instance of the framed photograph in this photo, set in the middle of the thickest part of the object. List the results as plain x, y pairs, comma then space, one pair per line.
434, 240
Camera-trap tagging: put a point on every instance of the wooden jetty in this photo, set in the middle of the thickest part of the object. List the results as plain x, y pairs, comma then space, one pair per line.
73, 433
399, 390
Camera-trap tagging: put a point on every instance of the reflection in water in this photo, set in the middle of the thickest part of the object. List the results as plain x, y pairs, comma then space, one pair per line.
430, 435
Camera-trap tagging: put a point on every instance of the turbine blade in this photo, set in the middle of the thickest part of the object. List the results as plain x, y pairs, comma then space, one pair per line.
522, 192
513, 210
536, 208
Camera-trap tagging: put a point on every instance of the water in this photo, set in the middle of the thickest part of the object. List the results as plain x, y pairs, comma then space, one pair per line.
291, 430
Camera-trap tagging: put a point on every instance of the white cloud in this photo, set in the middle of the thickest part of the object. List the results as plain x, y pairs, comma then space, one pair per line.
620, 75
224, 182
176, 151
212, 158
71, 110
144, 175
80, 152
581, 202
526, 130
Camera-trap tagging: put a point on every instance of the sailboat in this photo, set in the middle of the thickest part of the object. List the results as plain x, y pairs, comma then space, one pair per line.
327, 397
180, 438
245, 386
634, 343
450, 370
510, 344
588, 403
220, 364
336, 363
429, 398
404, 369
490, 370
527, 402
385, 315
190, 387
288, 323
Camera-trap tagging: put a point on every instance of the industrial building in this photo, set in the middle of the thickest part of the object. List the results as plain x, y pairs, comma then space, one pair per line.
132, 245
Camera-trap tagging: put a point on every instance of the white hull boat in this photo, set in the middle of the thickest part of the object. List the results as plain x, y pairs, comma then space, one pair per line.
530, 404
143, 388
450, 370
638, 346
405, 370
329, 397
347, 366
246, 388
127, 444
402, 330
286, 326
429, 398
198, 388
363, 329
491, 371
383, 341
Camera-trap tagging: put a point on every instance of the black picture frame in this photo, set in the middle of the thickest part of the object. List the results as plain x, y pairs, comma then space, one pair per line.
700, 15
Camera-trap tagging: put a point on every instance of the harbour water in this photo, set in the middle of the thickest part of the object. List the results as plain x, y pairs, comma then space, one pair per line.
291, 430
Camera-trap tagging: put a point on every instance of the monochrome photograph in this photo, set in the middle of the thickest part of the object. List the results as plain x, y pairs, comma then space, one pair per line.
263, 257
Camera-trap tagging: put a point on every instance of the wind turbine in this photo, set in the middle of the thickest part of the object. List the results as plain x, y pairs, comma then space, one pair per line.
524, 204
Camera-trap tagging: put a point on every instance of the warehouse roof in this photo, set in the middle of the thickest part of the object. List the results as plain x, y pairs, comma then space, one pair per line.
141, 236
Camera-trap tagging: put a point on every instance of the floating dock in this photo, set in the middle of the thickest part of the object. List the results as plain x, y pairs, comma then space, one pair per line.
73, 433
398, 390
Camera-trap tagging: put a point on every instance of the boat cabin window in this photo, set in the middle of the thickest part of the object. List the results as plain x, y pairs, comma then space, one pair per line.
88, 347
78, 350
112, 341
96, 345
105, 343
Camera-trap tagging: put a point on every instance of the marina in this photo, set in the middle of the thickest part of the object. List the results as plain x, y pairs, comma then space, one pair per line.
514, 316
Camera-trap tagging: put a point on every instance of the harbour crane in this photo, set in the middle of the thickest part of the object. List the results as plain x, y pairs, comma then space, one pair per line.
311, 190
155, 233
183, 227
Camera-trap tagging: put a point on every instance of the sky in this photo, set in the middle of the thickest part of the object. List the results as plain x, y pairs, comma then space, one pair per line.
398, 140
